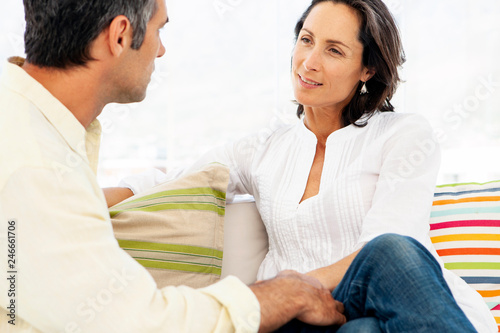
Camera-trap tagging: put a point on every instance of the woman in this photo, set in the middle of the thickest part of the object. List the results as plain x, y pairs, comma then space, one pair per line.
337, 186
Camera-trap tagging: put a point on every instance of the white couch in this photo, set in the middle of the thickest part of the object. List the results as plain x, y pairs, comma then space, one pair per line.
245, 241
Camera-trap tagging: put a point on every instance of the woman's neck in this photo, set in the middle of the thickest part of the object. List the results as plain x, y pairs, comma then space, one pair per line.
322, 122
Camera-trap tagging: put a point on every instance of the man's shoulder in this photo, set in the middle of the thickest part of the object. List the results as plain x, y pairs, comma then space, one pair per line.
26, 137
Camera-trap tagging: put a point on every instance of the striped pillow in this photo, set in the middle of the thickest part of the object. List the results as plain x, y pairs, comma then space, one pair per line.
176, 229
465, 230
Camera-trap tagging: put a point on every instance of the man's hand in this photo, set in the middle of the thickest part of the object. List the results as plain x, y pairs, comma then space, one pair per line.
293, 295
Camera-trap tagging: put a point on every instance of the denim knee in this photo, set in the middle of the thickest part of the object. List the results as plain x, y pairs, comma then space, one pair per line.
394, 247
387, 243
397, 248
389, 240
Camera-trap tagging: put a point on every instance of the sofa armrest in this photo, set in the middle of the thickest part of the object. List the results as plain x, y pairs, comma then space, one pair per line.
245, 241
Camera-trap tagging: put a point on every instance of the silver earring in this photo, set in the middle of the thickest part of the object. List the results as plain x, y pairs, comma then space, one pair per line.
363, 90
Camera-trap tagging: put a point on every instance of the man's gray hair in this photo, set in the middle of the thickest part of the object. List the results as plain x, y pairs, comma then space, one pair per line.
59, 32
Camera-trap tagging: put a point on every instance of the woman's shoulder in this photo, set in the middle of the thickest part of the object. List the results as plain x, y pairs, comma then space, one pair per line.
386, 127
397, 117
393, 121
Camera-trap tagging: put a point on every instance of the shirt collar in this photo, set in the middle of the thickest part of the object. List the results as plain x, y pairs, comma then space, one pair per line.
339, 135
85, 142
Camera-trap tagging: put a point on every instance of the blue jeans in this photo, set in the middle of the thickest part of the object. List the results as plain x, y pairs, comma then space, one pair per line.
394, 285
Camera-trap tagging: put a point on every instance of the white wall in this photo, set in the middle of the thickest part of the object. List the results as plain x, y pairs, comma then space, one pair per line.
225, 74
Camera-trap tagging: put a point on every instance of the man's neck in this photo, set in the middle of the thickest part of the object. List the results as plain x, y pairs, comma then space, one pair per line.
76, 88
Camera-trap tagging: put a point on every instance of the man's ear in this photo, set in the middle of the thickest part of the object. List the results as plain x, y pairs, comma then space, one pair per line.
119, 35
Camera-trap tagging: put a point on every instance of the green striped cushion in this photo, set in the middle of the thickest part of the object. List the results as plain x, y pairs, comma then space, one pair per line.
465, 230
176, 229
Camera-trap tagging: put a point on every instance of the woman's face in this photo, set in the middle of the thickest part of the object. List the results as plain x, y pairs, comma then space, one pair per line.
327, 59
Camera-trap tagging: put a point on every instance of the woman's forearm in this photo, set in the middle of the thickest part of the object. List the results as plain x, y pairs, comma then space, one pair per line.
330, 276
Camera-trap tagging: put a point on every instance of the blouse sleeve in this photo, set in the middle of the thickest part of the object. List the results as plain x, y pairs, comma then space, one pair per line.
238, 156
404, 191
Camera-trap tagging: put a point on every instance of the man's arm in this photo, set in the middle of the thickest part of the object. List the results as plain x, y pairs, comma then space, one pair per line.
293, 295
115, 195
84, 281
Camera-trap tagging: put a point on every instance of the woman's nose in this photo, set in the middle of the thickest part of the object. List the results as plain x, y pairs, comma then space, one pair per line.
313, 61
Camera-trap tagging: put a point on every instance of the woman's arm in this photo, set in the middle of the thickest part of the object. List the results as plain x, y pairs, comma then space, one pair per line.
404, 191
330, 276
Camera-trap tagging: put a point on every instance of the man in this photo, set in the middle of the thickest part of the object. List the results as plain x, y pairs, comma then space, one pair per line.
64, 271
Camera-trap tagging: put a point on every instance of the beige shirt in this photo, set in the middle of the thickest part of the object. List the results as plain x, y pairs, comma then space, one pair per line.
70, 274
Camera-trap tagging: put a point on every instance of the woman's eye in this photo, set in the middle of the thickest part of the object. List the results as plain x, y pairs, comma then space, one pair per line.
305, 40
335, 51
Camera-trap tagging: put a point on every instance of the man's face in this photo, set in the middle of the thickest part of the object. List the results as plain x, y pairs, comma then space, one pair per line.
140, 64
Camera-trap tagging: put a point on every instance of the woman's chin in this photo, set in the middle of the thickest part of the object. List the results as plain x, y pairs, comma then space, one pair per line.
306, 102
308, 98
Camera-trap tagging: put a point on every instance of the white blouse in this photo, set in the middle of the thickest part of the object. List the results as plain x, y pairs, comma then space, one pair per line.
376, 179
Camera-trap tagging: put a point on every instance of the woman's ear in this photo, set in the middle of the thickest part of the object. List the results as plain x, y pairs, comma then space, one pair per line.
368, 73
119, 35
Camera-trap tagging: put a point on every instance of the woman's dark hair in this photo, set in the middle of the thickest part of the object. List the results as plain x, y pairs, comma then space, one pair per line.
382, 52
59, 32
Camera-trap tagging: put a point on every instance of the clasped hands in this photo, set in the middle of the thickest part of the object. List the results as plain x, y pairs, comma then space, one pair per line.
294, 295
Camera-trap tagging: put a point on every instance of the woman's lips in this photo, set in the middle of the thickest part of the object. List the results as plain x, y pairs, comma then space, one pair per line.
308, 83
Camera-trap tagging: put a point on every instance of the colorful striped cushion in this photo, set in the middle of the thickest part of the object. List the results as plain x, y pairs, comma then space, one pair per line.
176, 229
465, 230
